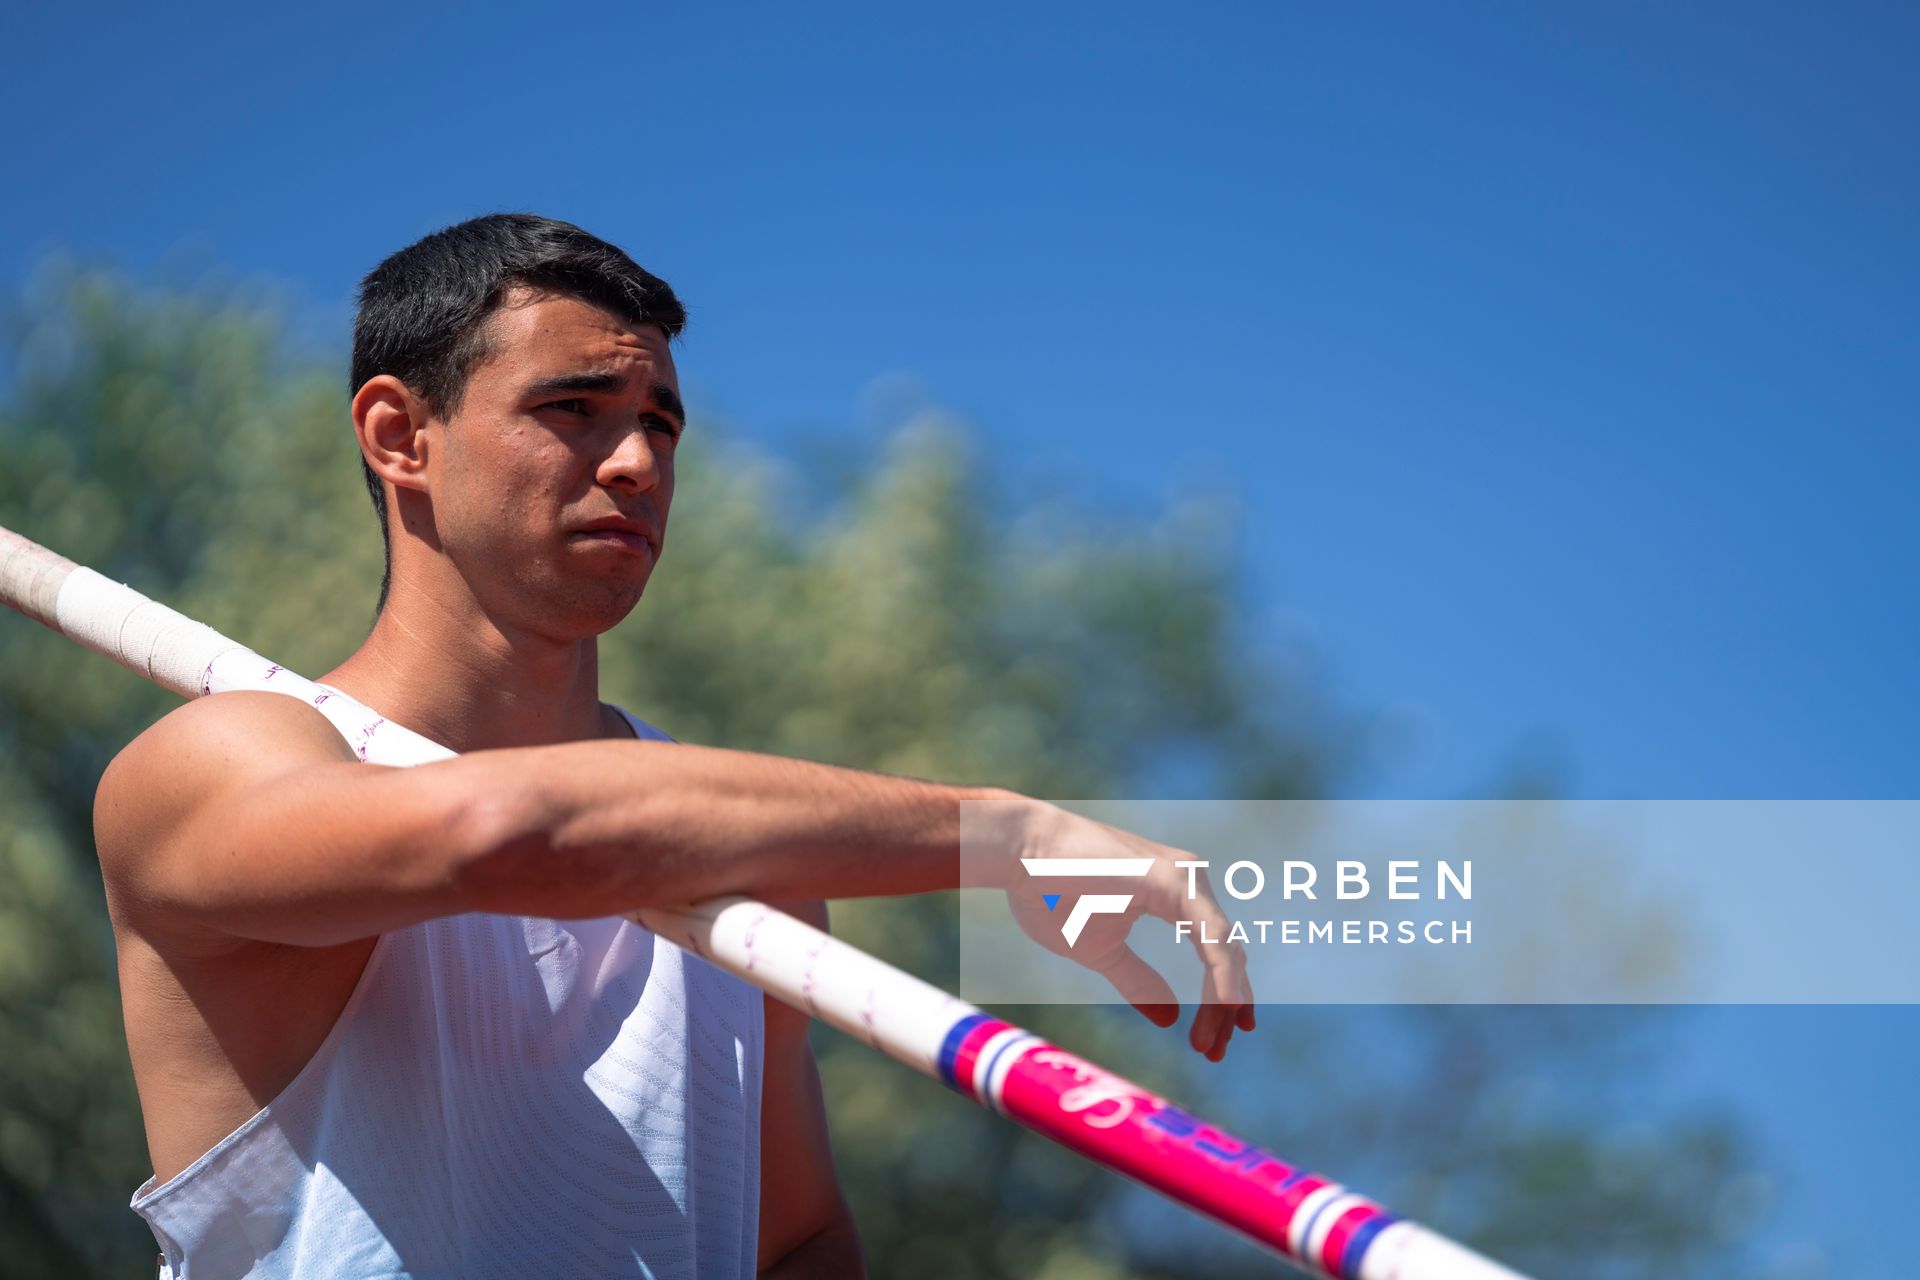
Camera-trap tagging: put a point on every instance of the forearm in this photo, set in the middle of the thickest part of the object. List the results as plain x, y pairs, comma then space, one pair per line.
595, 828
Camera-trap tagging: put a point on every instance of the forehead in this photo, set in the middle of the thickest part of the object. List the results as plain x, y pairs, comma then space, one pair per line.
534, 336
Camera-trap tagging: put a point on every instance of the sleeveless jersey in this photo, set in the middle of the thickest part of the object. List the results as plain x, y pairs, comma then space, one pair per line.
501, 1096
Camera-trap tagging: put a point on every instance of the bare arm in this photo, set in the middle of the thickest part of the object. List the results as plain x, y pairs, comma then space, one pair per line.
806, 1229
247, 815
831, 1254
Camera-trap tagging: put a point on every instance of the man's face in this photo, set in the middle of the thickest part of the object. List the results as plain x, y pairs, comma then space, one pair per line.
552, 481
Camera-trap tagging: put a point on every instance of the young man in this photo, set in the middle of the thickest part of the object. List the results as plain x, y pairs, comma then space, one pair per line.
386, 1021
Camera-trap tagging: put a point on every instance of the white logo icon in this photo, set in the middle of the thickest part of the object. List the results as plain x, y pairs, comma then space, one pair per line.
1087, 905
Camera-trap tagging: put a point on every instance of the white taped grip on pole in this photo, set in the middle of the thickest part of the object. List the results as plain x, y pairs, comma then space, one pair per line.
30, 577
168, 648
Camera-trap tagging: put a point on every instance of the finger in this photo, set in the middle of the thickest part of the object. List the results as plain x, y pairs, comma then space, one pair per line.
1225, 961
1200, 1034
1223, 981
1226, 1035
1242, 1018
1226, 996
1207, 1024
1219, 1014
1142, 987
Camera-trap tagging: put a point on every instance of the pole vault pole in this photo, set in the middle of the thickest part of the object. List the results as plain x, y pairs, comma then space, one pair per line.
1316, 1223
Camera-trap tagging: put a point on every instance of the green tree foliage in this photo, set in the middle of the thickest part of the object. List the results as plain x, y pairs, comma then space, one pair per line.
897, 619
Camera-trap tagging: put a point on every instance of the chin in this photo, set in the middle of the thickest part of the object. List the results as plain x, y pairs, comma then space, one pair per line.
600, 613
572, 609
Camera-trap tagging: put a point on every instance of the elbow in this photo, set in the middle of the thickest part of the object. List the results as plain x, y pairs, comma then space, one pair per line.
497, 847
521, 845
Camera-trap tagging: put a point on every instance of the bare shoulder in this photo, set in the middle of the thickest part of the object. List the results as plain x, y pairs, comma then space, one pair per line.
197, 752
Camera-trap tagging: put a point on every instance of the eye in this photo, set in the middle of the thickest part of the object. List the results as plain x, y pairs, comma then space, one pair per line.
568, 406
664, 425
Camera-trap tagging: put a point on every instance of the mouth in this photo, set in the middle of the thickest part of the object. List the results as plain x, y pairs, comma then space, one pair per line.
623, 539
621, 534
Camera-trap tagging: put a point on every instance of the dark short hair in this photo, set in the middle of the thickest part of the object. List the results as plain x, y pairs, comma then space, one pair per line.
423, 312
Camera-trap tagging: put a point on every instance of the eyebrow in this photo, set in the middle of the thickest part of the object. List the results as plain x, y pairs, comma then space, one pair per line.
602, 382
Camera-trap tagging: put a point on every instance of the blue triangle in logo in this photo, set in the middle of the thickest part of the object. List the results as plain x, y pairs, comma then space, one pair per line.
1051, 899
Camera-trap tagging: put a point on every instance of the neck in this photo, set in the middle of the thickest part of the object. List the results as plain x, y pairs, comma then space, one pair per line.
470, 682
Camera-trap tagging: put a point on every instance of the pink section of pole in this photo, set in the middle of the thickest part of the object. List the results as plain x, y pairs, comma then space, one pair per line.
1312, 1220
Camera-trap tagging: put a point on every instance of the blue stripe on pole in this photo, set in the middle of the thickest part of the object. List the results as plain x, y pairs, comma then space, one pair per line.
983, 1084
1306, 1228
950, 1048
1357, 1245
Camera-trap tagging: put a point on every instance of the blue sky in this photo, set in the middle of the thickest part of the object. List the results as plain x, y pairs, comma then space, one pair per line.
1561, 362
1561, 359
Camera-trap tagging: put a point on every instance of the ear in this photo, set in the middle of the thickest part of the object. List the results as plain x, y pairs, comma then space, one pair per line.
391, 423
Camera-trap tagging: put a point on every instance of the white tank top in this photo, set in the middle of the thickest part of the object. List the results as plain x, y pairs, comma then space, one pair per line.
501, 1096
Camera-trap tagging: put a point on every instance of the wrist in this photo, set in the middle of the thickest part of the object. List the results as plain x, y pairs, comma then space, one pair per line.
997, 829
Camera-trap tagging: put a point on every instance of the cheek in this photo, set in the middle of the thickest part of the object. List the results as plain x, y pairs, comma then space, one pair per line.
506, 482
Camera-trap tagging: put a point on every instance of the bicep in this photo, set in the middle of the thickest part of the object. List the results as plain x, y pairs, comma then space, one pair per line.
799, 1189
247, 815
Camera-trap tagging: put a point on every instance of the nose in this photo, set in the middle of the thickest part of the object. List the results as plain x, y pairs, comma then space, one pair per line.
633, 465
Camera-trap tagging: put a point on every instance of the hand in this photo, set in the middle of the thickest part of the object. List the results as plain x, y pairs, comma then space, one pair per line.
1039, 832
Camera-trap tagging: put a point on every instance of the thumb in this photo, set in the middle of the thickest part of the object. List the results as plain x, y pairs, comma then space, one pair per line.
1142, 987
